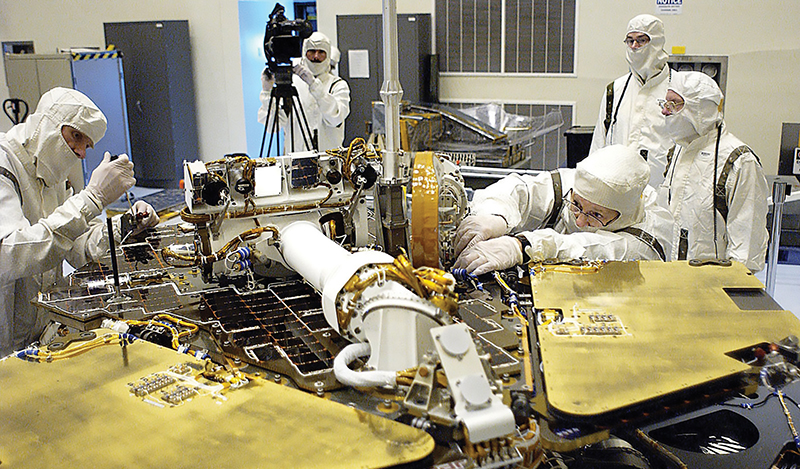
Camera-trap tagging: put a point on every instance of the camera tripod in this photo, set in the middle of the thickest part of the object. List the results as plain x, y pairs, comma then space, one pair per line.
284, 96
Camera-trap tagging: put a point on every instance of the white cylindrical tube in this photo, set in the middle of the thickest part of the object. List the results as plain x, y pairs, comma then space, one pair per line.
362, 379
323, 263
310, 253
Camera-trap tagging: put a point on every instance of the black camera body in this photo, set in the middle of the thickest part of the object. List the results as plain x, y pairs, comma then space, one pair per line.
283, 40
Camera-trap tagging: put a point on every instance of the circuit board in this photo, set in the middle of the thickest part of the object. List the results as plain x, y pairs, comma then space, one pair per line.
274, 324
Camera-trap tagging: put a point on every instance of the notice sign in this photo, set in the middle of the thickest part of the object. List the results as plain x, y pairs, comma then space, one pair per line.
669, 7
796, 163
359, 63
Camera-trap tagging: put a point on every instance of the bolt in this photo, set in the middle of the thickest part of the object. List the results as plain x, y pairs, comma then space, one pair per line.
277, 378
423, 371
506, 377
326, 334
387, 403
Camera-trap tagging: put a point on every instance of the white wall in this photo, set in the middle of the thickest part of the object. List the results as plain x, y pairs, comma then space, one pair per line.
760, 38
214, 36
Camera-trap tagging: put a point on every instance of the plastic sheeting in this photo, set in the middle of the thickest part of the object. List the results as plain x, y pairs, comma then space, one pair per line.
520, 129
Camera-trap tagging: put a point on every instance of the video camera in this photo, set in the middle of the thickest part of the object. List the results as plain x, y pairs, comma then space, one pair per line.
283, 40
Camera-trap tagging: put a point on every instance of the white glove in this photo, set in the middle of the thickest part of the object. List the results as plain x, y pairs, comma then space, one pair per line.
304, 73
144, 214
494, 254
110, 180
477, 228
267, 80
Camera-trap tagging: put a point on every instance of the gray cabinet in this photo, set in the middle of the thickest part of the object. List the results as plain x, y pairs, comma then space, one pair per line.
159, 87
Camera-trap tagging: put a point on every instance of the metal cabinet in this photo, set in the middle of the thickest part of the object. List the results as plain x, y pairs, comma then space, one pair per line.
159, 88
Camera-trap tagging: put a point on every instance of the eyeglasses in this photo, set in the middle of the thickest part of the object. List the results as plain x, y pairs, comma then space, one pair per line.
671, 106
640, 41
595, 218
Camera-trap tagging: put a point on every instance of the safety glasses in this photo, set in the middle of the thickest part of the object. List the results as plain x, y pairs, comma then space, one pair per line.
640, 41
595, 218
670, 106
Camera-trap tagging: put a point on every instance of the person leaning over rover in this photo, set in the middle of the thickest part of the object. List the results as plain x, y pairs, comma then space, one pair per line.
603, 209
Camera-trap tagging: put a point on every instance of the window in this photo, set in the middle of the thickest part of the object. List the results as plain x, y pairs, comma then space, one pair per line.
506, 36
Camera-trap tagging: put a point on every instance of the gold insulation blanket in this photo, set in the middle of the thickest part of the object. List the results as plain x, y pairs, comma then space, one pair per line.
425, 211
679, 324
79, 412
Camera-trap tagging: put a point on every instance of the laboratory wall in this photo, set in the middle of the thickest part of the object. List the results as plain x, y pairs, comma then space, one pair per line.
760, 38
214, 38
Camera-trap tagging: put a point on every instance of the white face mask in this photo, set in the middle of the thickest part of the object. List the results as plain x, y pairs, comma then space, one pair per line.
318, 68
680, 129
644, 61
55, 159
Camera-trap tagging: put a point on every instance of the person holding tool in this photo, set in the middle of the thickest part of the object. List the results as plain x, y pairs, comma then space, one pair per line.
44, 222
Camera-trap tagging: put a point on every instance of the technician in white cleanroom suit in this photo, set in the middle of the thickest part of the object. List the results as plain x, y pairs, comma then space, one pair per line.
629, 112
325, 97
42, 221
603, 209
733, 225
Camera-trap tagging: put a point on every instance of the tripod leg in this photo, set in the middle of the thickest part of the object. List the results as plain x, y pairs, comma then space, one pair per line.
291, 128
304, 127
276, 128
266, 126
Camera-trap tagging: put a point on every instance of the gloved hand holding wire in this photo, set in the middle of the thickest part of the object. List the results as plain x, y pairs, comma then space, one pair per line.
477, 228
267, 80
110, 180
493, 254
144, 214
304, 73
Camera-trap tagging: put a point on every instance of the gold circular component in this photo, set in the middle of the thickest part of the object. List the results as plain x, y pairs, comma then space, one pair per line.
425, 211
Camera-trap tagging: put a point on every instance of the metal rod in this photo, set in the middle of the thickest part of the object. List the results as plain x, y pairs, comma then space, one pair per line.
394, 169
113, 250
778, 198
